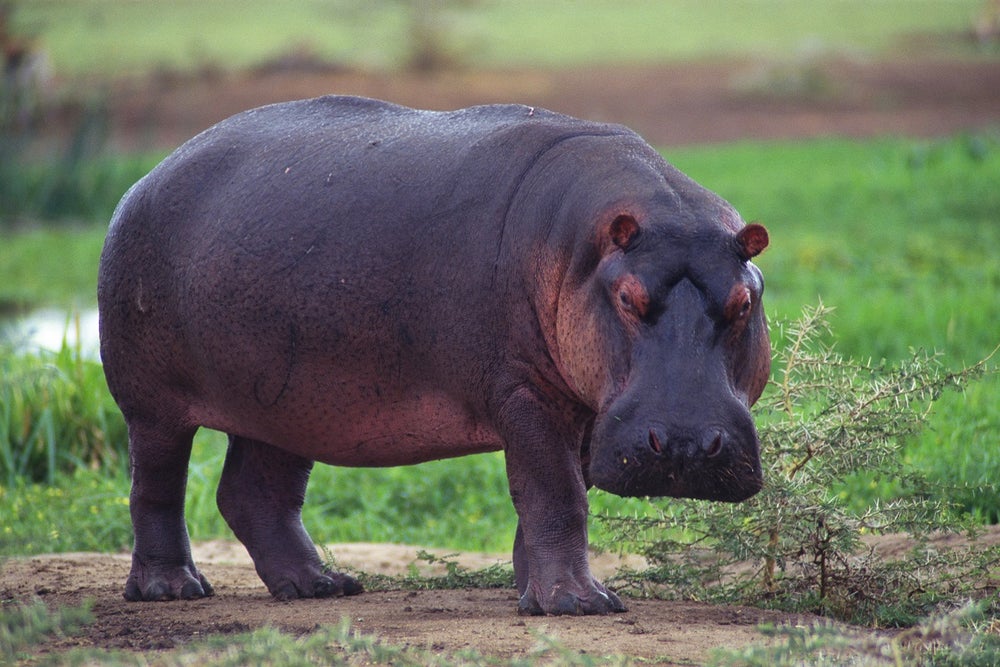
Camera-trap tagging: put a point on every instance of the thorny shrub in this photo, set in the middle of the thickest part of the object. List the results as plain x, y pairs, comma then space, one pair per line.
799, 544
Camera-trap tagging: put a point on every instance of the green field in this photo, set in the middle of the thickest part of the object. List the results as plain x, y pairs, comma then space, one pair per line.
113, 37
899, 236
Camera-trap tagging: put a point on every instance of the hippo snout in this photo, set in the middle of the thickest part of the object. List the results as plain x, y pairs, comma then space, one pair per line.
712, 462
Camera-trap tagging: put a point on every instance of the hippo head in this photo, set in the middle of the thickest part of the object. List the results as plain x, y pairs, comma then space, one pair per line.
661, 332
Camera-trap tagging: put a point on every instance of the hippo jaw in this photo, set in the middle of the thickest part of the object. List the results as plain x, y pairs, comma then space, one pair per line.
632, 456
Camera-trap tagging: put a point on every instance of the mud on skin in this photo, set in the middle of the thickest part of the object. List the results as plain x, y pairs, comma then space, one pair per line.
348, 281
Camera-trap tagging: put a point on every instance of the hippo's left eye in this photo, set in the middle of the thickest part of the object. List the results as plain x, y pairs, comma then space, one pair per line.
739, 304
745, 307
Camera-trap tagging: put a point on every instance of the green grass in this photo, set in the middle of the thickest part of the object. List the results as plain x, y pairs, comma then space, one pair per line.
50, 267
603, 31
899, 236
24, 626
964, 636
83, 511
56, 415
455, 504
64, 187
113, 37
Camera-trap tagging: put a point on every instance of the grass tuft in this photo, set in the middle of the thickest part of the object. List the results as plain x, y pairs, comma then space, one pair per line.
500, 575
22, 625
56, 415
964, 636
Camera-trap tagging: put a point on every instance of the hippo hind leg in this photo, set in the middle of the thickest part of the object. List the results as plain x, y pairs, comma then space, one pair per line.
162, 567
260, 495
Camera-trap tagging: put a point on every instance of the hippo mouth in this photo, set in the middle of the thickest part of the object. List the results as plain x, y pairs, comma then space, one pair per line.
715, 464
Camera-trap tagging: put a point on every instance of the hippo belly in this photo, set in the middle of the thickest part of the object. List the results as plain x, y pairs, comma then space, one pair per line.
365, 433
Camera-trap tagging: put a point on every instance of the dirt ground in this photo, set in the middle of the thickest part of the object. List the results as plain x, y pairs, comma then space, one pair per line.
486, 620
669, 105
664, 632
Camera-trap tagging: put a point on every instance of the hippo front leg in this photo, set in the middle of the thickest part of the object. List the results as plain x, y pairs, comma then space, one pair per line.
551, 565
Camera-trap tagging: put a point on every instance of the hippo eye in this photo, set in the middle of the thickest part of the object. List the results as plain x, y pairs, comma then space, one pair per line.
632, 297
739, 304
625, 299
745, 308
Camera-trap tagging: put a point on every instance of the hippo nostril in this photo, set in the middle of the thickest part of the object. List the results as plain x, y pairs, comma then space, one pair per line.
713, 446
654, 442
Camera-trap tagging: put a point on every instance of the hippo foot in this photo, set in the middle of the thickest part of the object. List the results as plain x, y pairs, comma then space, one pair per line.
560, 601
324, 584
147, 584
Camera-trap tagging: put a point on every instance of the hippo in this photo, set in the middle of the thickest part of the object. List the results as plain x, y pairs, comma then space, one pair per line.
358, 283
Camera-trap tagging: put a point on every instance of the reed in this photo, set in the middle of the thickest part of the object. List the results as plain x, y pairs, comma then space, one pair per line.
56, 414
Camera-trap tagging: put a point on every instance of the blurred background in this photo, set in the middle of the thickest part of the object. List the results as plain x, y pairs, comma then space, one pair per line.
865, 135
151, 74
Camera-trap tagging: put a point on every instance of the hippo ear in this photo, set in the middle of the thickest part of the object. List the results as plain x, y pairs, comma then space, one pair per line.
751, 240
623, 230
